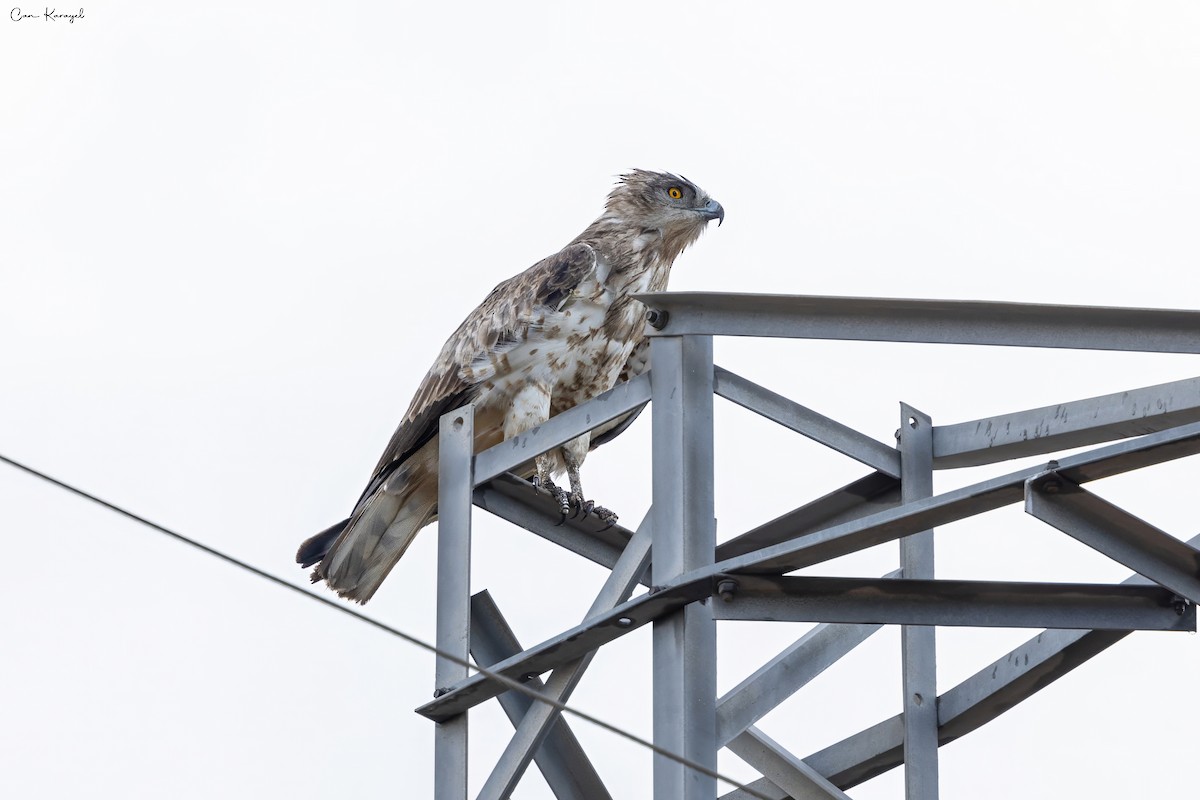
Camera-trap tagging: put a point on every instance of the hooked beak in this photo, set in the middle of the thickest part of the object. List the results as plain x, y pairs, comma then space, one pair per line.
712, 210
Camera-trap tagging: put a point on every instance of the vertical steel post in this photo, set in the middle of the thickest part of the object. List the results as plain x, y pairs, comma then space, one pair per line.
917, 643
685, 643
455, 484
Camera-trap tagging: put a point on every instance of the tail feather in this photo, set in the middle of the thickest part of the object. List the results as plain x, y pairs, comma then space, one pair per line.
355, 548
389, 549
354, 556
315, 547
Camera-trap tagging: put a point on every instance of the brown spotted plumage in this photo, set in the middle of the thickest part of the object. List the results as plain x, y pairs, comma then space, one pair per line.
554, 336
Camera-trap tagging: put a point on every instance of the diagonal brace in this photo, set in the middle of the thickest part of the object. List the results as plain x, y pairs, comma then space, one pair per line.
978, 700
1079, 423
786, 674
805, 421
780, 767
1115, 532
541, 718
561, 759
847, 537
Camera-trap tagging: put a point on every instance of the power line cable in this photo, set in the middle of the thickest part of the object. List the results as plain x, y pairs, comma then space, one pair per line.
514, 685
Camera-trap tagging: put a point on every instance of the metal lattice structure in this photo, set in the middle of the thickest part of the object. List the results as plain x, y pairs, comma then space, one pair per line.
695, 582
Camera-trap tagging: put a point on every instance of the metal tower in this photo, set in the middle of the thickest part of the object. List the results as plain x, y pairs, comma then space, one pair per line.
694, 582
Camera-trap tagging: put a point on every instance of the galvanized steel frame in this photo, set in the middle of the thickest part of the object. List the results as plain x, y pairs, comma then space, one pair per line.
695, 582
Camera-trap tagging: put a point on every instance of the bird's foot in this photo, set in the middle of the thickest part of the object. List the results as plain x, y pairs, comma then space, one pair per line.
560, 495
609, 518
573, 504
585, 508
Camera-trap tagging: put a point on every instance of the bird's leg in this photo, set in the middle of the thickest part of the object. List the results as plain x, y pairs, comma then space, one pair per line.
531, 407
573, 453
545, 464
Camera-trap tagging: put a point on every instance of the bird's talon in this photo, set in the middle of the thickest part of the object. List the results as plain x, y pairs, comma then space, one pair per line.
604, 515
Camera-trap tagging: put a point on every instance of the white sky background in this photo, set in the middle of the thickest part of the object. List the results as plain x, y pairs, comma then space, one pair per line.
235, 235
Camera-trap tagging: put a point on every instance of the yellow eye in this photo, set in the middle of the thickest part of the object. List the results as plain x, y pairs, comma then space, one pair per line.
674, 193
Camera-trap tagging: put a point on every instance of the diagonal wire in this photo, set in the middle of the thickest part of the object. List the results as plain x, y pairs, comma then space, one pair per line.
512, 684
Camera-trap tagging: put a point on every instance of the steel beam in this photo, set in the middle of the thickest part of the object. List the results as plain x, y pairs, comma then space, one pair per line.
918, 649
784, 675
1146, 330
783, 769
805, 421
560, 758
763, 787
538, 722
810, 549
862, 498
1116, 533
982, 604
1066, 425
456, 443
838, 540
561, 428
514, 499
685, 642
976, 701
567, 646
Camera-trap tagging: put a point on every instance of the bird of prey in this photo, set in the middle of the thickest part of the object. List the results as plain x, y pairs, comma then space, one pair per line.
556, 335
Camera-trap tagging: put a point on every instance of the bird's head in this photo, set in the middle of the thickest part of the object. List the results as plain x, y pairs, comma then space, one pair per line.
661, 200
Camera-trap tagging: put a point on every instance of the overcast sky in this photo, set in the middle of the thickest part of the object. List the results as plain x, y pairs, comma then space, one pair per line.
233, 237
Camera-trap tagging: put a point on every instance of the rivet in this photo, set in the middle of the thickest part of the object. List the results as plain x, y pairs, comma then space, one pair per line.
726, 588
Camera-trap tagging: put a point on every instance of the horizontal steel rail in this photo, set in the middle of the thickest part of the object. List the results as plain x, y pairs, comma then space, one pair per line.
880, 319
981, 604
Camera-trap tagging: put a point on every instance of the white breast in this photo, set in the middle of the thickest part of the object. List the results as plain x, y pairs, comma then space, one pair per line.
575, 356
